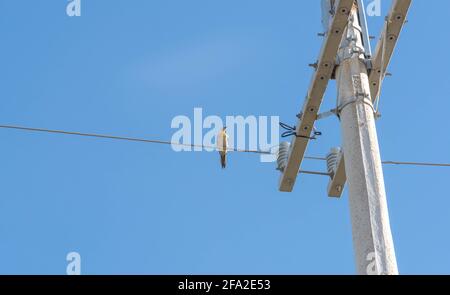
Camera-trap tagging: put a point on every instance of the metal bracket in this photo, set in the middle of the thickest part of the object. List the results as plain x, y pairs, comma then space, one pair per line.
364, 29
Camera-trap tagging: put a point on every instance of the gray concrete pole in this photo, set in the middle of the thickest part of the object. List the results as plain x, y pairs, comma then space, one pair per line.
372, 237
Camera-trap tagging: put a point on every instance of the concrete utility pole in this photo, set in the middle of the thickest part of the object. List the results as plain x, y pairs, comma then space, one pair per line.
346, 53
372, 237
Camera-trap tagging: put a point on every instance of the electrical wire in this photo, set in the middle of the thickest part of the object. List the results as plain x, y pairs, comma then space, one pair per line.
134, 139
395, 162
103, 136
416, 164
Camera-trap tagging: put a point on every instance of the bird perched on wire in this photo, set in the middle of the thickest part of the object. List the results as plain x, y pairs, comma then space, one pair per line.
222, 146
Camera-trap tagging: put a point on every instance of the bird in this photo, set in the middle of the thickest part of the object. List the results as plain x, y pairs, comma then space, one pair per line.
222, 146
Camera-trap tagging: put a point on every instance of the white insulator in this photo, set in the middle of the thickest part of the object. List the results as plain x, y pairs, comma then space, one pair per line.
283, 155
332, 159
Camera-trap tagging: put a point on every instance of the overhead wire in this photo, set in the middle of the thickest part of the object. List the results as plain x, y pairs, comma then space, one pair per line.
154, 141
133, 139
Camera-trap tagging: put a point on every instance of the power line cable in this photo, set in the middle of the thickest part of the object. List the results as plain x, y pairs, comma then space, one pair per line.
133, 139
143, 140
395, 162
416, 164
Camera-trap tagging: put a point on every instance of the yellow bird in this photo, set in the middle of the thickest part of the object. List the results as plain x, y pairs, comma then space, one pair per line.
222, 146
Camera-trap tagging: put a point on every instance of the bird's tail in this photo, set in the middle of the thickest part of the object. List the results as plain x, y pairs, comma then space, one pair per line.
223, 160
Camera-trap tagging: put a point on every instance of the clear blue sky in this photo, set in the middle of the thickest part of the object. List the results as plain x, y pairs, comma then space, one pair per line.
129, 67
